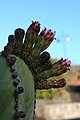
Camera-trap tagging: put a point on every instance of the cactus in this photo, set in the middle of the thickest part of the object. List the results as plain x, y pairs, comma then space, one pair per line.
26, 67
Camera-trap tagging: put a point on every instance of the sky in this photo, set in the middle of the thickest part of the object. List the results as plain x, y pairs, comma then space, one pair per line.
62, 16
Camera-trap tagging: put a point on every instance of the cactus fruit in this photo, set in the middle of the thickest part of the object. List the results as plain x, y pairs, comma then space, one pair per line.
25, 67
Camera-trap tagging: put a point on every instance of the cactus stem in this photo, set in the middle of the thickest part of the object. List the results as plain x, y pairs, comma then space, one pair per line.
30, 48
18, 90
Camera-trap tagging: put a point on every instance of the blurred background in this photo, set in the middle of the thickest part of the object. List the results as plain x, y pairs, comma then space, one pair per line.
63, 17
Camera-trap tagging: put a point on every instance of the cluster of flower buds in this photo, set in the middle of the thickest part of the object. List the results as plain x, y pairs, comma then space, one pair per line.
48, 84
48, 35
31, 35
58, 68
63, 65
31, 51
33, 43
44, 39
34, 27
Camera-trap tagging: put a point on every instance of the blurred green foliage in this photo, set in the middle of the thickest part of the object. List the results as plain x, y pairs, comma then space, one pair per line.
46, 94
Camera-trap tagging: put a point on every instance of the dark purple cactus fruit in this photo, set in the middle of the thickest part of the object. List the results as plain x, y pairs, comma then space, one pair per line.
44, 57
11, 39
19, 34
26, 68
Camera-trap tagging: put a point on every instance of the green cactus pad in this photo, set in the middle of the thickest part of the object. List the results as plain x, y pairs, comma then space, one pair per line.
26, 99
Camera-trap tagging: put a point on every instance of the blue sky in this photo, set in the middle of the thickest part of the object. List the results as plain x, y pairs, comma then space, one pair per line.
63, 16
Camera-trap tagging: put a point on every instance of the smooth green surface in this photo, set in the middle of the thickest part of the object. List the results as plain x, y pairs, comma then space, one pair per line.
26, 99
